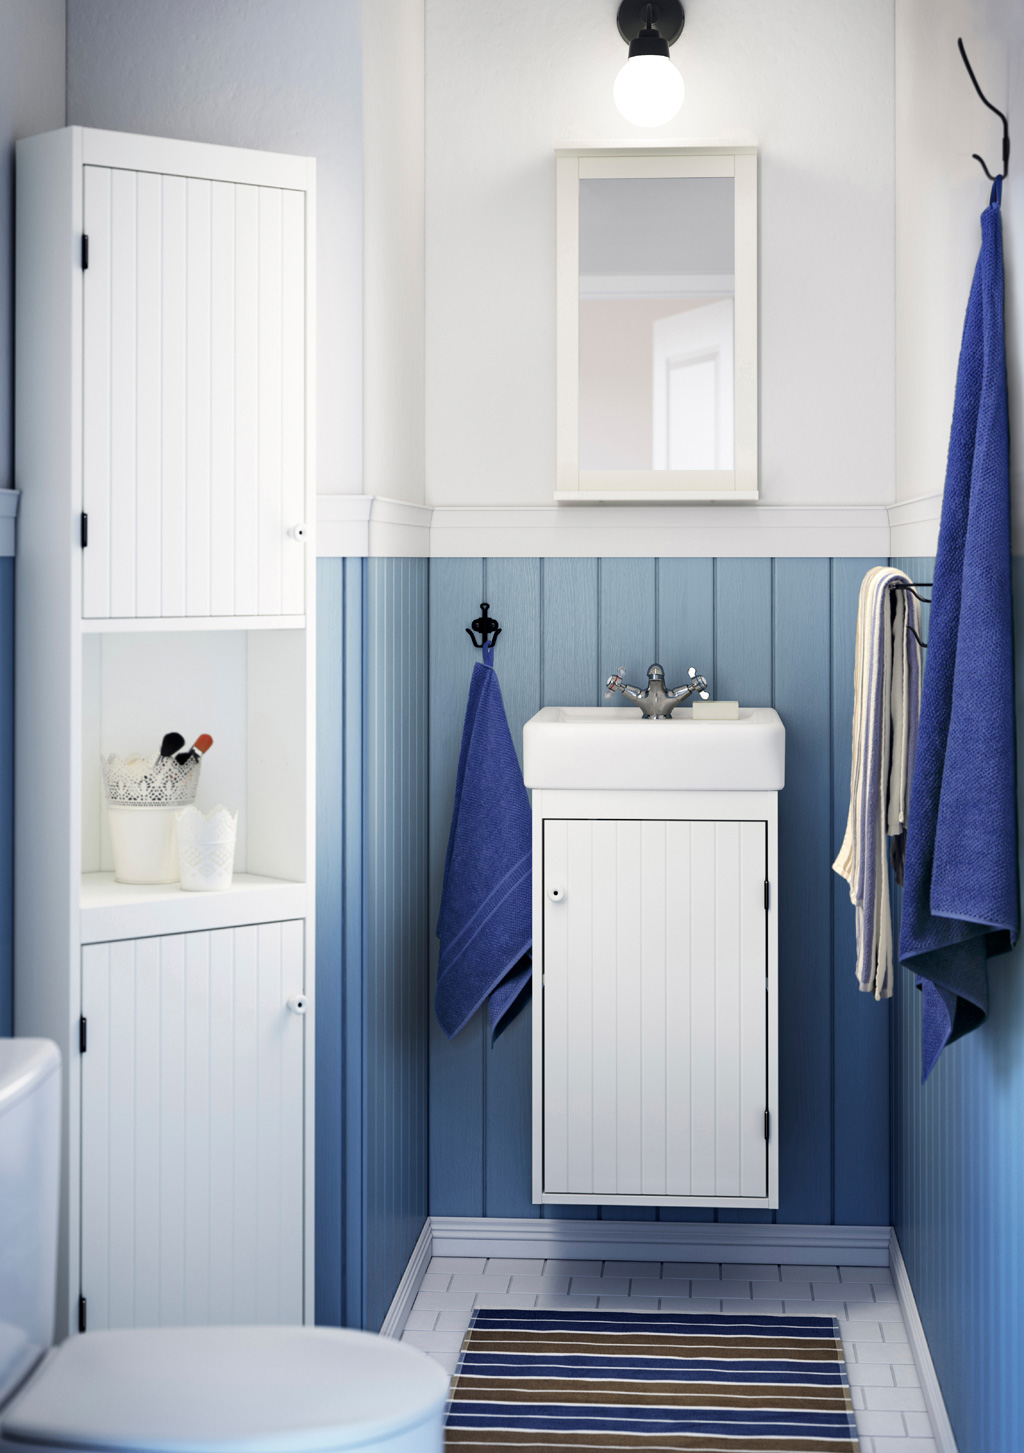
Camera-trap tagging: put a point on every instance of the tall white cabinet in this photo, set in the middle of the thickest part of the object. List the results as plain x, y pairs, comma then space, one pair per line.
166, 581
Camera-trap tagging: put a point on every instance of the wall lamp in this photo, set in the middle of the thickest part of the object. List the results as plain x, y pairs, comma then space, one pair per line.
649, 90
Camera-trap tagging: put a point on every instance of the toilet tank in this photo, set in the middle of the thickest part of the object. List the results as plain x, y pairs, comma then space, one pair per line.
29, 1203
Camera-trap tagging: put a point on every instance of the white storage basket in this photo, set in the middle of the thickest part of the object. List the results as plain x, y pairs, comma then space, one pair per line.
143, 794
206, 848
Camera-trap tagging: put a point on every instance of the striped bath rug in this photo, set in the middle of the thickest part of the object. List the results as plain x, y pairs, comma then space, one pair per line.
651, 1380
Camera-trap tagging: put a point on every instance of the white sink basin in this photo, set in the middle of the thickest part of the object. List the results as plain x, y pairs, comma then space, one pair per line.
594, 747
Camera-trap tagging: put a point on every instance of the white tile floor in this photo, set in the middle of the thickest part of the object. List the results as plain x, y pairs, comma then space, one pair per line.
890, 1409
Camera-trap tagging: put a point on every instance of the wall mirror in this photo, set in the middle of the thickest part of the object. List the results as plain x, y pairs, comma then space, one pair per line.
657, 325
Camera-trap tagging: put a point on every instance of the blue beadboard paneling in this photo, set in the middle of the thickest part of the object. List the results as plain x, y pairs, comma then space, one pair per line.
763, 632
372, 933
802, 669
860, 1026
395, 1005
330, 878
958, 1178
457, 1079
6, 794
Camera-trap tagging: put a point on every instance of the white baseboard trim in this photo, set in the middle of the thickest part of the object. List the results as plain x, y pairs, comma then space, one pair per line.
942, 1429
660, 1241
401, 1303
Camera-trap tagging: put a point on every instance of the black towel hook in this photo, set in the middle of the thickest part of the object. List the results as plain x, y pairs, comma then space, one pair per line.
484, 625
1000, 114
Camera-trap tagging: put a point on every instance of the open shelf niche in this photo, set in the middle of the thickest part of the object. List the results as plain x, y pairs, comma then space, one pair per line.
247, 688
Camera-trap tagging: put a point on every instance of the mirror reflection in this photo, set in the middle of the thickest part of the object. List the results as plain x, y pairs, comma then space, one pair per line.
656, 270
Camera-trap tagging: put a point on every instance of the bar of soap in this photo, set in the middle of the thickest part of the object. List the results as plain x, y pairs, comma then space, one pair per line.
716, 711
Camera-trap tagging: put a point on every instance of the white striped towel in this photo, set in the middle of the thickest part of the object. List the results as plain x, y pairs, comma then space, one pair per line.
886, 707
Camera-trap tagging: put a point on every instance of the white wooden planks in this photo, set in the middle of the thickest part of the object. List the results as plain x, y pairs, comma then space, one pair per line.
194, 397
655, 1009
192, 1129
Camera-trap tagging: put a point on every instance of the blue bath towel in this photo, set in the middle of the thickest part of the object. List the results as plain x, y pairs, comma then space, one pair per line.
485, 924
961, 902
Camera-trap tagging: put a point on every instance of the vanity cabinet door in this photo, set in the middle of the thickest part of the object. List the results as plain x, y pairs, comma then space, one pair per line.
193, 397
192, 1129
655, 1010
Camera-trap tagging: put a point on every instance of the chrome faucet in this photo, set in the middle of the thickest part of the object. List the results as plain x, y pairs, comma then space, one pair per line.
656, 703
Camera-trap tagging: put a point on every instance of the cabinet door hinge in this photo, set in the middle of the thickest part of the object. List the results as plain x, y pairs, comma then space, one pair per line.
82, 1035
84, 529
85, 251
767, 1124
81, 1314
767, 893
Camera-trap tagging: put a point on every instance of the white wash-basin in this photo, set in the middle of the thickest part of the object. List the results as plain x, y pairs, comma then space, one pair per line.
616, 747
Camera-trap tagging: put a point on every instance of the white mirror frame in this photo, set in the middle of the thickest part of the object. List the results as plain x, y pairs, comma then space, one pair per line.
656, 485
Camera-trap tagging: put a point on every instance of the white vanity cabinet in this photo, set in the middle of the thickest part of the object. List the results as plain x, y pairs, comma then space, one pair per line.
655, 981
165, 419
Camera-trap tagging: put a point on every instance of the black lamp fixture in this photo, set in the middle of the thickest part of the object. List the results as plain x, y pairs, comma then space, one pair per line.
649, 90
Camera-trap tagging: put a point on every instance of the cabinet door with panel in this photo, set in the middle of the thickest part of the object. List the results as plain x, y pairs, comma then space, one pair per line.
655, 1002
192, 1129
193, 395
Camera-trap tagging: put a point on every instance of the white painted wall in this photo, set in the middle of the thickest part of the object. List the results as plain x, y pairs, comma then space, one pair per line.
940, 195
393, 279
809, 81
31, 100
257, 73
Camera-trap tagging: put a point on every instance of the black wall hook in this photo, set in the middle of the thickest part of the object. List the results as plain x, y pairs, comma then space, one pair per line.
485, 626
1000, 114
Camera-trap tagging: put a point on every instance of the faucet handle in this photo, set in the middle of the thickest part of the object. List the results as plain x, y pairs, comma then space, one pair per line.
615, 683
699, 683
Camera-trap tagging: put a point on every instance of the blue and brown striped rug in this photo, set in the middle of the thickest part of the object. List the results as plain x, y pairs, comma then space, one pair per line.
651, 1380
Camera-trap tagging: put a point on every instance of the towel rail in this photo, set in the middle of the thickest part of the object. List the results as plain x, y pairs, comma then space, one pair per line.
913, 586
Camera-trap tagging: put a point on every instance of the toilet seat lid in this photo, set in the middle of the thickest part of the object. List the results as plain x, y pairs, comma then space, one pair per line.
244, 1389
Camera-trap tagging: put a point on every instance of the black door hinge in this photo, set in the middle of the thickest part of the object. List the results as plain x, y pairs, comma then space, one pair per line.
81, 1314
767, 1124
766, 893
82, 1036
85, 529
85, 250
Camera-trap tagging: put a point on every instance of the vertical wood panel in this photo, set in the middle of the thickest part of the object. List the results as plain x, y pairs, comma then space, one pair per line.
743, 631
564, 1137
96, 400
514, 593
678, 1007
173, 422
198, 384
569, 666
270, 386
657, 1047
222, 399
753, 1045
686, 619
860, 1027
330, 875
149, 387
727, 909
353, 938
456, 1067
293, 398
247, 400
802, 676
123, 395
627, 619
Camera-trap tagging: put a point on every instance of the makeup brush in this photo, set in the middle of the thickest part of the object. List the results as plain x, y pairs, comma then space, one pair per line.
198, 749
172, 742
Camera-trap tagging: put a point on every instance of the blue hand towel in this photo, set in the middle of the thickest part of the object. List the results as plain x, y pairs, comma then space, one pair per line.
961, 902
485, 924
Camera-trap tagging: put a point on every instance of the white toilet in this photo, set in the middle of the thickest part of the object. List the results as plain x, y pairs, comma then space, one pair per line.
173, 1389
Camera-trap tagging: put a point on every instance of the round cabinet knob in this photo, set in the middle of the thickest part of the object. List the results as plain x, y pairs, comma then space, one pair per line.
297, 532
299, 1004
555, 893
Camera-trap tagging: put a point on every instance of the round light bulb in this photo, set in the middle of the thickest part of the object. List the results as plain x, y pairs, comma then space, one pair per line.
649, 90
